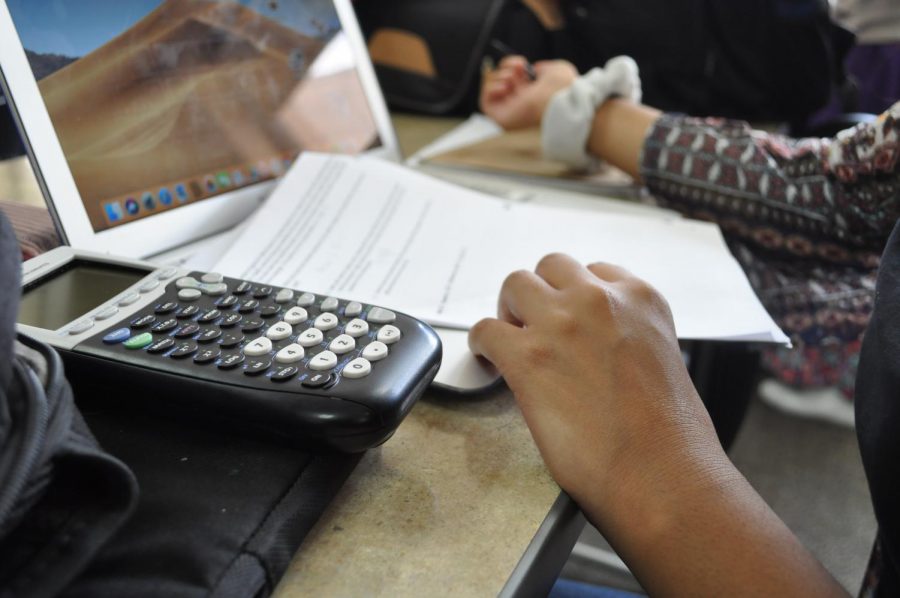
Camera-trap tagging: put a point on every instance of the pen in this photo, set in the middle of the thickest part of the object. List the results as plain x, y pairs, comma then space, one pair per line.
504, 50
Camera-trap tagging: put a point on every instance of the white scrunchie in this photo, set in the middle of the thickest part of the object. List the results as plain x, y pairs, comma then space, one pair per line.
567, 120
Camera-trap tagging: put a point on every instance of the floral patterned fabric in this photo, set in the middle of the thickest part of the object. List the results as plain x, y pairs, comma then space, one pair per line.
806, 218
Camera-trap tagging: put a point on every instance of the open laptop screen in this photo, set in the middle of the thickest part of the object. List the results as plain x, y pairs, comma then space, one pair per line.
158, 104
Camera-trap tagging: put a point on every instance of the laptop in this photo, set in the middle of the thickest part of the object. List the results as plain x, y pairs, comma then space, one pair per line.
154, 124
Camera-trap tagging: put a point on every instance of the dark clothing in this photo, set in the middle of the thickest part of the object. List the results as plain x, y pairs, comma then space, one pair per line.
878, 416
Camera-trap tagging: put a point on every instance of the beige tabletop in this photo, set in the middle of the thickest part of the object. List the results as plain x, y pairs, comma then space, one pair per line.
448, 506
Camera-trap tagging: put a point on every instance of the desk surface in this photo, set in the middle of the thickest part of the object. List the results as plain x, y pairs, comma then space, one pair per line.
447, 506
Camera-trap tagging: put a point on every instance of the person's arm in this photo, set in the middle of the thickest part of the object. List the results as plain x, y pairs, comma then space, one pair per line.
836, 199
592, 358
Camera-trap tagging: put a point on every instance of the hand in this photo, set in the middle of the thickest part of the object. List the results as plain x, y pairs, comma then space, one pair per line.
592, 358
513, 100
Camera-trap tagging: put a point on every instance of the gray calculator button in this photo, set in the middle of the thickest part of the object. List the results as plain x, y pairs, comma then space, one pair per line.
106, 313
81, 326
187, 282
356, 328
326, 321
358, 368
389, 334
379, 315
167, 273
329, 304
149, 286
279, 331
353, 309
219, 288
290, 354
306, 299
342, 344
310, 337
212, 278
257, 347
189, 294
295, 315
375, 351
128, 299
325, 360
284, 295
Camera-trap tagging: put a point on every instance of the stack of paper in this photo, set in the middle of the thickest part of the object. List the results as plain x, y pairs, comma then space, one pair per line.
364, 229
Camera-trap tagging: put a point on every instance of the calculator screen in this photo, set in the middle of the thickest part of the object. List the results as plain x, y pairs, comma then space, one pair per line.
73, 291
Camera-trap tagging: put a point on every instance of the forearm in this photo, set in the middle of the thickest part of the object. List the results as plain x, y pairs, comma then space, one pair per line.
618, 132
704, 531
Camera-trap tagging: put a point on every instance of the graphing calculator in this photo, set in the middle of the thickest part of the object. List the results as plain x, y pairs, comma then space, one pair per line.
315, 371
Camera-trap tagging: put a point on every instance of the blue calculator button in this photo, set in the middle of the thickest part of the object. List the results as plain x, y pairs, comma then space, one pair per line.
117, 336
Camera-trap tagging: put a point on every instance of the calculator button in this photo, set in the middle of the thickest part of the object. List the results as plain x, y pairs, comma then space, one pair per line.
255, 367
329, 304
209, 335
296, 315
106, 313
232, 340
290, 354
389, 335
257, 347
342, 344
353, 309
252, 325
117, 336
262, 292
242, 288
167, 273
284, 373
189, 294
212, 278
207, 355
184, 349
187, 331
166, 308
227, 302
188, 311
165, 325
358, 368
187, 282
325, 360
248, 306
214, 289
143, 321
306, 299
128, 299
375, 351
140, 341
149, 286
230, 320
81, 326
357, 328
161, 346
320, 380
231, 361
279, 331
284, 295
209, 316
379, 315
310, 337
326, 321
269, 310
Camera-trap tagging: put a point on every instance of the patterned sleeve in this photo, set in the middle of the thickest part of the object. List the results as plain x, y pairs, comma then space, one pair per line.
835, 199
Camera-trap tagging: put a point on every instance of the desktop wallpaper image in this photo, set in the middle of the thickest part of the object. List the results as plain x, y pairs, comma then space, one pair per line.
143, 93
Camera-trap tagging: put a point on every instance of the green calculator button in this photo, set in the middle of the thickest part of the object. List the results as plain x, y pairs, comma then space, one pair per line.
140, 341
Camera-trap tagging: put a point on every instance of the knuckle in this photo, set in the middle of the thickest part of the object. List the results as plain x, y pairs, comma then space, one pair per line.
535, 353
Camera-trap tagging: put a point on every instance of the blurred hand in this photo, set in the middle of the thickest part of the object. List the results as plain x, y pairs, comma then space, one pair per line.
592, 358
513, 100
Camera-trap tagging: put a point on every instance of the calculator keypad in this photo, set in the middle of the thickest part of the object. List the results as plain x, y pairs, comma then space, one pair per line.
262, 331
